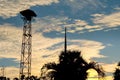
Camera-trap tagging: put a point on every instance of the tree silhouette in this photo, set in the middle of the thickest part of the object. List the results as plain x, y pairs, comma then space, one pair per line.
71, 66
117, 73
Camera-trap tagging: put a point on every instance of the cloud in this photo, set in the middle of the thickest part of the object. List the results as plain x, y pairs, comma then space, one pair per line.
48, 51
109, 68
9, 41
50, 23
100, 22
13, 7
44, 49
90, 49
10, 46
107, 21
117, 8
81, 26
77, 5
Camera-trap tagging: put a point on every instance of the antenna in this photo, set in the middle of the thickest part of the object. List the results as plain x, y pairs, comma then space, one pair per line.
26, 50
2, 71
65, 45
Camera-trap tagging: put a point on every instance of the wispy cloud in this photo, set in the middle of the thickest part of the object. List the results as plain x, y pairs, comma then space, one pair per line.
90, 49
109, 70
101, 22
107, 21
50, 23
117, 8
8, 8
57, 23
81, 26
81, 4
13, 7
11, 47
9, 41
109, 67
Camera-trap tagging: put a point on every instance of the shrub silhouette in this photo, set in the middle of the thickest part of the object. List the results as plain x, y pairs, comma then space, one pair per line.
71, 66
32, 77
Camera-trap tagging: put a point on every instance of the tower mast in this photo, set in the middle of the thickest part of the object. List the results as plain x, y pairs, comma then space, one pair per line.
65, 44
26, 50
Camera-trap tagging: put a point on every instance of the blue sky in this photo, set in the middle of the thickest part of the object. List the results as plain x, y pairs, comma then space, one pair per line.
92, 25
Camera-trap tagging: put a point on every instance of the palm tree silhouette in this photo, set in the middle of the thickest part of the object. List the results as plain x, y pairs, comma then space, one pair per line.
71, 66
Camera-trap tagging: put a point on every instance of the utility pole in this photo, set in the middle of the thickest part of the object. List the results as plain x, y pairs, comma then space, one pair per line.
26, 50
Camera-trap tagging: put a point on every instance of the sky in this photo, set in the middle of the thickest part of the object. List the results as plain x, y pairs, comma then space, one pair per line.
92, 28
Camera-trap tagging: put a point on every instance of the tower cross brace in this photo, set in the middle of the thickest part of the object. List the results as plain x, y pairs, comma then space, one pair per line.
26, 50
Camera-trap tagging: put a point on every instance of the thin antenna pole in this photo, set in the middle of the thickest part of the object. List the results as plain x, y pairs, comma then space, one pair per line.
65, 40
3, 71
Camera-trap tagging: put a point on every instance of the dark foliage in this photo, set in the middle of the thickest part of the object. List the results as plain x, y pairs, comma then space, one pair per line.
71, 66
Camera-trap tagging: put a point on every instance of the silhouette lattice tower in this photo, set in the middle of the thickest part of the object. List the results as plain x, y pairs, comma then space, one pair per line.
26, 50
